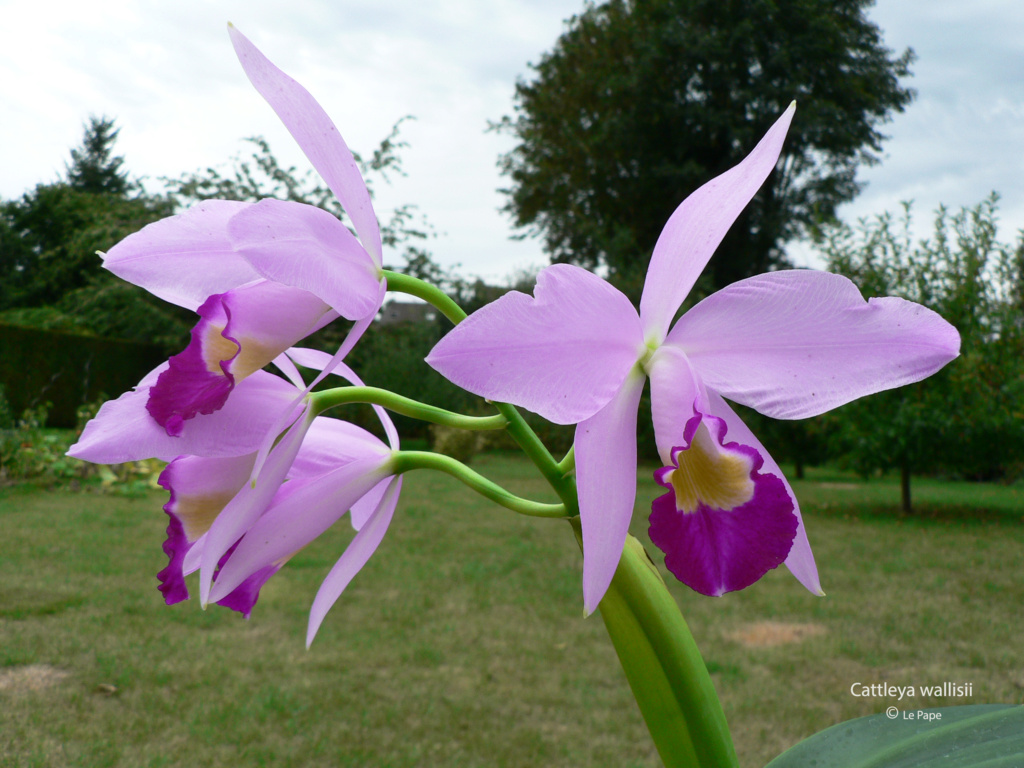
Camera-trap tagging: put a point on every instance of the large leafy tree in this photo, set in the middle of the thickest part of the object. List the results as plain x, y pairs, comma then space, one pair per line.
50, 273
642, 101
967, 419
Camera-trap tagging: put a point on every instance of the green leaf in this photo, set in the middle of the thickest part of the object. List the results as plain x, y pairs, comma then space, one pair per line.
975, 736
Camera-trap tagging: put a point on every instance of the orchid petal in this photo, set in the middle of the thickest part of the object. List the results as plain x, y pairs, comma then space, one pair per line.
800, 560
562, 353
362, 510
243, 597
306, 247
124, 431
316, 135
199, 489
292, 522
723, 524
285, 365
354, 334
247, 506
239, 332
675, 391
606, 485
698, 225
355, 556
798, 343
184, 259
331, 442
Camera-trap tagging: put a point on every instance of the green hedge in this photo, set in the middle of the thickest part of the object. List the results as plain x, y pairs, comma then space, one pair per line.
68, 370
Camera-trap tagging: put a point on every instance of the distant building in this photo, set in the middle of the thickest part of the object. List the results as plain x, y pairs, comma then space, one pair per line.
406, 312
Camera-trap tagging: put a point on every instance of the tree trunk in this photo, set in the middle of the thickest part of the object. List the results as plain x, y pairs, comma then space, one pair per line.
905, 488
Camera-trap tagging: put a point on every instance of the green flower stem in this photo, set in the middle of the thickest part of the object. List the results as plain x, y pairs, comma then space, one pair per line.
517, 427
329, 398
665, 670
562, 482
568, 462
431, 294
404, 461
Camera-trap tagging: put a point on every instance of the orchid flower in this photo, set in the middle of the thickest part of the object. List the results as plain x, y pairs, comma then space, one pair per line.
789, 344
319, 469
201, 488
339, 468
261, 276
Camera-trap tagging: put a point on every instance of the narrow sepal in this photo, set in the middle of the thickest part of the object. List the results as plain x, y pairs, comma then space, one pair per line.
316, 135
698, 225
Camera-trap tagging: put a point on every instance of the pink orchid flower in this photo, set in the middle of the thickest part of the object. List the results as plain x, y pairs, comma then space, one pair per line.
201, 488
318, 470
261, 276
354, 473
789, 344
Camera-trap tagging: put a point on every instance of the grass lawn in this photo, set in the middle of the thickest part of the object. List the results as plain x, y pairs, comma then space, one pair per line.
462, 643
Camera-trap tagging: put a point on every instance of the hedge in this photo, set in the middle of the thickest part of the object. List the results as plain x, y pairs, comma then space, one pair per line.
68, 369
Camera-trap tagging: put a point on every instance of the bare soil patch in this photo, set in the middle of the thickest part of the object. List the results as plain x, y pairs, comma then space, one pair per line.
34, 677
765, 634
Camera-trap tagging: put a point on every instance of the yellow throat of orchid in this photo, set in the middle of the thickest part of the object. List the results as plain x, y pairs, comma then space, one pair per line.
711, 475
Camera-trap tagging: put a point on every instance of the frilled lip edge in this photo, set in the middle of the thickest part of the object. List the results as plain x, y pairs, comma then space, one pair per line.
188, 387
177, 545
716, 550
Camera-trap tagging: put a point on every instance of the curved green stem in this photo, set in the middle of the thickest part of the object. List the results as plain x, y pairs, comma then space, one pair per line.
329, 398
568, 462
431, 294
405, 461
563, 483
517, 427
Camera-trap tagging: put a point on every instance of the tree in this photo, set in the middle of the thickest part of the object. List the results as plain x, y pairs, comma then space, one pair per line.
93, 167
967, 420
642, 101
50, 273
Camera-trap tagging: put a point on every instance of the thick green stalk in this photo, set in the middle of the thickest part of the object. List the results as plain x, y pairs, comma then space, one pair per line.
404, 461
665, 670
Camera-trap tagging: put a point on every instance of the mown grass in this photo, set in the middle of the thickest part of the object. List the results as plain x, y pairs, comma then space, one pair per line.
462, 643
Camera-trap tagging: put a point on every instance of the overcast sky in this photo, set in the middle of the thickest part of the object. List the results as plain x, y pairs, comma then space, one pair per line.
167, 73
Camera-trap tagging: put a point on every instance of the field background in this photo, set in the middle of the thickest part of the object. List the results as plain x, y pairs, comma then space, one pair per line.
462, 643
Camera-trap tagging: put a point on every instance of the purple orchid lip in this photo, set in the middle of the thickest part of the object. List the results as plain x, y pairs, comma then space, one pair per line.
724, 524
191, 384
237, 334
199, 488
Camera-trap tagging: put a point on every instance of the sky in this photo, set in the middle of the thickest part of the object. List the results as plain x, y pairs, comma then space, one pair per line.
168, 75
